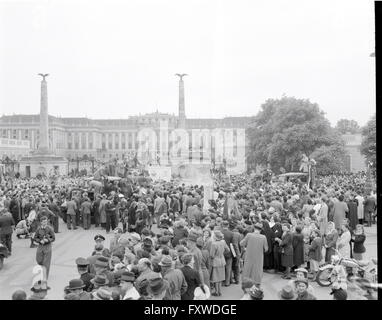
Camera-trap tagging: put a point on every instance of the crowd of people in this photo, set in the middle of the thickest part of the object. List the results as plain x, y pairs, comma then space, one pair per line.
168, 243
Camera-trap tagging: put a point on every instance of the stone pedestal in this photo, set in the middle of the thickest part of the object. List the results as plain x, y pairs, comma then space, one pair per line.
46, 165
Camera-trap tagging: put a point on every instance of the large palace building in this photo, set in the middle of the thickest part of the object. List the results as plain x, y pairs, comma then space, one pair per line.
116, 138
103, 139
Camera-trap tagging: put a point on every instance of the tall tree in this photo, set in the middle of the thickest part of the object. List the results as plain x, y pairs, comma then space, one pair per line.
344, 126
287, 128
369, 141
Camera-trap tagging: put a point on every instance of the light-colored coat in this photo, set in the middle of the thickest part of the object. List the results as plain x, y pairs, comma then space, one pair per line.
360, 200
343, 244
323, 218
255, 244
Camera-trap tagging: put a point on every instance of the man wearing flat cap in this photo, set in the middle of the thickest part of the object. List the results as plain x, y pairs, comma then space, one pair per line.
129, 292
101, 266
255, 245
178, 285
197, 254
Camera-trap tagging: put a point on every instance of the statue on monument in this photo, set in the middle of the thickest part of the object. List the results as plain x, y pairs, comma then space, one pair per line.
181, 75
43, 75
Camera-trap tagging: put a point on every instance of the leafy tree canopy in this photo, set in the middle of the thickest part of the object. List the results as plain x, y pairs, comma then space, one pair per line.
287, 128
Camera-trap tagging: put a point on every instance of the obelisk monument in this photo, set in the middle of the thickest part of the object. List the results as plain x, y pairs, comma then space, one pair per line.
43, 147
182, 109
43, 162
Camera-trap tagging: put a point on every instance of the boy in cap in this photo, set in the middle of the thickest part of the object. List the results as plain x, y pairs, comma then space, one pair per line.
302, 290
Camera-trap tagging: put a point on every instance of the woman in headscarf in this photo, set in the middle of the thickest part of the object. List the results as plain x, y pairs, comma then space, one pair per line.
330, 241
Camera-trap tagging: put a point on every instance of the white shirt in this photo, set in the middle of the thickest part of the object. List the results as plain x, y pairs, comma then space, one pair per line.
132, 293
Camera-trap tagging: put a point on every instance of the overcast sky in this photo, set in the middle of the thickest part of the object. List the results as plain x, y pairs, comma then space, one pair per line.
113, 59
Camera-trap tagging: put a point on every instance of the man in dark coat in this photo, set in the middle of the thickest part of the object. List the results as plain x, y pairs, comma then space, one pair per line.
6, 229
369, 207
277, 233
228, 237
268, 233
235, 258
353, 213
44, 236
192, 276
298, 247
95, 210
53, 207
111, 214
14, 208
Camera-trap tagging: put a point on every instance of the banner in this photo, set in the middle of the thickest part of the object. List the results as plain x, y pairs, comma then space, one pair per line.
159, 173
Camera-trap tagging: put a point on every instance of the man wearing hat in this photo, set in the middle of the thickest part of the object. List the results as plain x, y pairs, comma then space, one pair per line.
101, 266
102, 294
228, 237
255, 245
85, 276
95, 210
197, 253
77, 286
128, 291
287, 293
71, 214
99, 239
111, 214
44, 236
102, 210
39, 290
99, 281
85, 210
146, 246
177, 282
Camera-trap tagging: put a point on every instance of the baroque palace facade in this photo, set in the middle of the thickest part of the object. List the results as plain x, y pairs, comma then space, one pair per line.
107, 139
